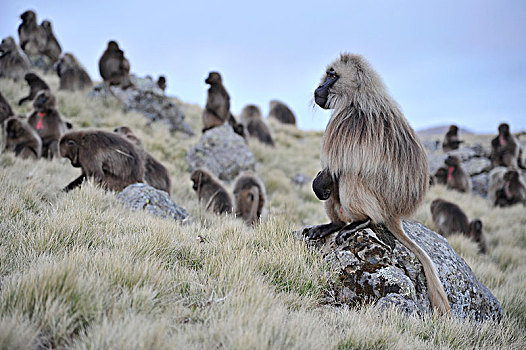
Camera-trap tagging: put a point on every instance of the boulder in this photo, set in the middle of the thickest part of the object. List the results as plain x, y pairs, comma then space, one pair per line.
373, 266
156, 202
223, 152
480, 184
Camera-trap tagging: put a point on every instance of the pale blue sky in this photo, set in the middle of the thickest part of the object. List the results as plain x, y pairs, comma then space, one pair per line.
444, 62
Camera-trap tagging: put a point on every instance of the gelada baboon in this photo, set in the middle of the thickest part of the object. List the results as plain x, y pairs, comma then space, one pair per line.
281, 112
477, 235
451, 141
449, 218
217, 109
110, 159
48, 123
440, 176
210, 192
52, 48
375, 157
32, 36
155, 174
506, 149
36, 84
161, 82
249, 196
496, 182
72, 74
22, 139
14, 64
252, 119
114, 68
512, 192
457, 178
5, 110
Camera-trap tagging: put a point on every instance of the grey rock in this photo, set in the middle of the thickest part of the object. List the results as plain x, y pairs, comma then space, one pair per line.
156, 202
222, 152
435, 161
476, 165
375, 267
480, 184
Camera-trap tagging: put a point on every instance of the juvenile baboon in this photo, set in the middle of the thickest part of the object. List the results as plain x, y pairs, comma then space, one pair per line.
252, 119
22, 139
217, 109
72, 74
496, 182
324, 185
451, 141
32, 36
476, 234
110, 159
281, 112
155, 174
457, 178
513, 191
52, 48
210, 192
114, 68
506, 149
449, 218
36, 84
14, 64
48, 123
5, 110
249, 195
375, 157
440, 176
161, 82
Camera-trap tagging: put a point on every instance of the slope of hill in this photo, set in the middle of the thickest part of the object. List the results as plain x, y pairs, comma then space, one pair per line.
78, 270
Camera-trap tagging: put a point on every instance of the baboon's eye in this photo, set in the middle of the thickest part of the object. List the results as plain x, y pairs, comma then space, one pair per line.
331, 73
251, 196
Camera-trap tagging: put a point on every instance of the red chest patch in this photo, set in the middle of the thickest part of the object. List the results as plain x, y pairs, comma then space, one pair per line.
39, 123
501, 141
450, 173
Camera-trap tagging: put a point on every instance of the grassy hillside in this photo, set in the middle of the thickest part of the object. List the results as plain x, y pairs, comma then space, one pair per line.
78, 270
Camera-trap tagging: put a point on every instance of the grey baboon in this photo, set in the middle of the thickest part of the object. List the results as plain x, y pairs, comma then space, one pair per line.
512, 192
14, 64
22, 139
32, 36
457, 178
217, 109
72, 74
252, 119
281, 112
114, 68
52, 48
210, 192
449, 218
506, 149
379, 164
249, 195
36, 84
451, 141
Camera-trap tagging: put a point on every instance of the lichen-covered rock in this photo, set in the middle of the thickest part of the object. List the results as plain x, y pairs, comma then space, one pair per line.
157, 202
375, 267
223, 152
480, 184
147, 99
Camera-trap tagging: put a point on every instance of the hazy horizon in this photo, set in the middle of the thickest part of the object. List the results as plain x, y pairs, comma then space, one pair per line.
462, 63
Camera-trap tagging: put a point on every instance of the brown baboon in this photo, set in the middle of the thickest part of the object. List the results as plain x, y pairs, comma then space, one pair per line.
22, 139
512, 192
249, 195
114, 68
237, 127
375, 157
440, 176
210, 192
281, 112
496, 182
155, 174
52, 48
476, 234
72, 74
161, 82
324, 185
506, 149
253, 121
451, 141
48, 123
449, 218
217, 109
5, 110
32, 36
36, 84
110, 159
457, 178
14, 64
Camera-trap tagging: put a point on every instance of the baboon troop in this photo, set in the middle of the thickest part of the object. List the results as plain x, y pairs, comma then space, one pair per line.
457, 178
377, 183
22, 139
252, 119
506, 149
217, 109
249, 195
36, 84
210, 192
72, 74
110, 159
14, 64
155, 174
281, 112
451, 141
114, 68
48, 123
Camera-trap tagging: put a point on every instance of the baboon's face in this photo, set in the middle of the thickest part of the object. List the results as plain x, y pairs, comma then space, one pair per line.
321, 94
435, 204
452, 161
198, 177
213, 78
28, 16
453, 128
46, 25
252, 111
69, 148
511, 176
247, 201
14, 128
113, 46
8, 44
323, 185
475, 229
504, 129
44, 101
30, 77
